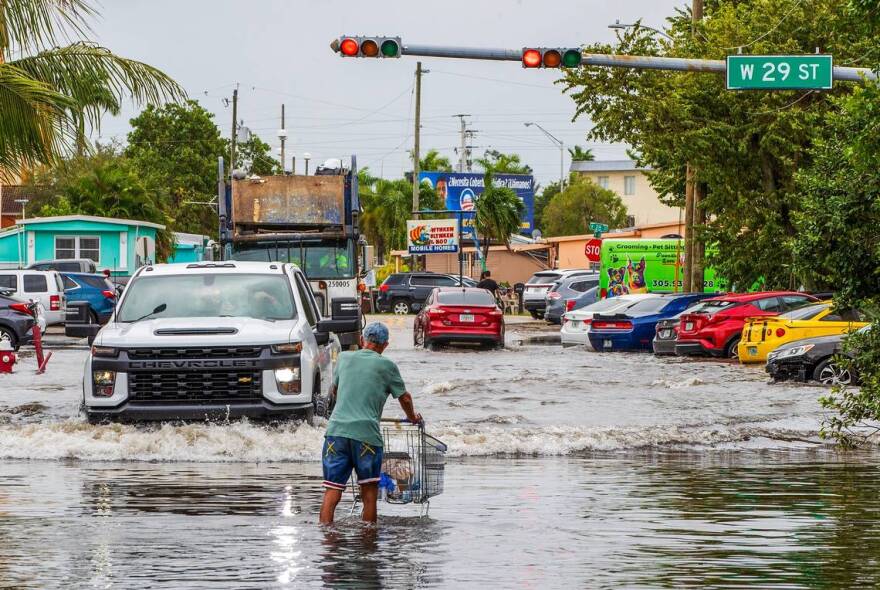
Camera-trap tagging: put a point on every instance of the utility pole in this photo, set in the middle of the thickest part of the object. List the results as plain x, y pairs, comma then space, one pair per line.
234, 131
416, 134
283, 135
462, 150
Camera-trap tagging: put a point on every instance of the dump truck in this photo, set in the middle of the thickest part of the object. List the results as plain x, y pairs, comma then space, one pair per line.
310, 221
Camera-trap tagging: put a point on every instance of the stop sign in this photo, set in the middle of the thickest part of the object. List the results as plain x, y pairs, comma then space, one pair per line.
593, 249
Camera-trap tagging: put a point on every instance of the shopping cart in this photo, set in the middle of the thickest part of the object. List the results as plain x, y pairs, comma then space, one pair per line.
413, 466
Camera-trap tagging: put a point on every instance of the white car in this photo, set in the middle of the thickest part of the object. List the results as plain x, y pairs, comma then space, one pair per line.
42, 286
213, 341
576, 324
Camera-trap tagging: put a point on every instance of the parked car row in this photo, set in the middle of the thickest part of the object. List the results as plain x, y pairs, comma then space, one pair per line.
406, 292
795, 333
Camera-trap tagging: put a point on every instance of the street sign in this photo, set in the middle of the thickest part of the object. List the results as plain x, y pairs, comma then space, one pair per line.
779, 72
593, 249
598, 227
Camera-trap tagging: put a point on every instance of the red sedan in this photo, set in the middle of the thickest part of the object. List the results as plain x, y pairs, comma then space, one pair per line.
455, 314
715, 325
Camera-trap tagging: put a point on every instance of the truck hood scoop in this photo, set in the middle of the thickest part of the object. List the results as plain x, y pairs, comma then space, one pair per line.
193, 331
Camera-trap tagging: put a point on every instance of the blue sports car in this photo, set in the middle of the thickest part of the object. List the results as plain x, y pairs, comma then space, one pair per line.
634, 329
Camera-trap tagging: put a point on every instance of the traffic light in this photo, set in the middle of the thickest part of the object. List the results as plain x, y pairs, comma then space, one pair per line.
367, 46
547, 57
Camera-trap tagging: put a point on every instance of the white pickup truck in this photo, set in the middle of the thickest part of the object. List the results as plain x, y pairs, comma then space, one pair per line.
214, 341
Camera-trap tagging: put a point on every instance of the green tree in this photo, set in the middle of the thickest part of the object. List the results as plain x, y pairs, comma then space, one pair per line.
49, 93
177, 147
541, 201
839, 245
571, 211
434, 162
744, 146
501, 163
579, 154
104, 184
498, 214
254, 156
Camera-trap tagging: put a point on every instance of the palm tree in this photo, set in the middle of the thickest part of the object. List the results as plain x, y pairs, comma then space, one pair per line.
579, 154
498, 214
49, 93
386, 205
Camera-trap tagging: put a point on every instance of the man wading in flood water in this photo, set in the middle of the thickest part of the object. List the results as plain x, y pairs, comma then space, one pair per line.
363, 381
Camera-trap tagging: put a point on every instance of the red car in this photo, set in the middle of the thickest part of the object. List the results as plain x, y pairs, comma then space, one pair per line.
455, 314
714, 328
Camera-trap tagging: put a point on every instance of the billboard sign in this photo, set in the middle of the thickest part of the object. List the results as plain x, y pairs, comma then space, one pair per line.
432, 236
460, 191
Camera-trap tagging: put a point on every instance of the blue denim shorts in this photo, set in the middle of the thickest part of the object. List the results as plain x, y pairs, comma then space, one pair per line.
341, 455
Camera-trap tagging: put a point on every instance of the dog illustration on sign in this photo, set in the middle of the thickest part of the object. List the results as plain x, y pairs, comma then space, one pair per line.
615, 281
636, 276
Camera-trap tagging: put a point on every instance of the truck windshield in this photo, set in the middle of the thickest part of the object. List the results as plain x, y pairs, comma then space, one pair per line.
323, 260
264, 297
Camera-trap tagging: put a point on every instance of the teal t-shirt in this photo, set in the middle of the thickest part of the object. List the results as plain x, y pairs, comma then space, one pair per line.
364, 379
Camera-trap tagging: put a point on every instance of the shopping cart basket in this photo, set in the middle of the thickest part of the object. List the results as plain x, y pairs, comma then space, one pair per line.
413, 465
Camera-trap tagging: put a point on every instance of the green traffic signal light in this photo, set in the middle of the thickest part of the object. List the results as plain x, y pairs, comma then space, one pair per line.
390, 48
571, 58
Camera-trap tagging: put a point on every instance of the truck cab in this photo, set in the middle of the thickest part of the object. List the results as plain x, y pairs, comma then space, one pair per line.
213, 341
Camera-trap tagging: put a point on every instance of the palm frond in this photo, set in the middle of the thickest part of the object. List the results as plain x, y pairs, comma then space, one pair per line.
97, 80
33, 119
32, 25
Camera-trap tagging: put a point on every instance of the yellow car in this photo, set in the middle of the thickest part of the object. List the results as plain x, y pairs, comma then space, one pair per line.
760, 336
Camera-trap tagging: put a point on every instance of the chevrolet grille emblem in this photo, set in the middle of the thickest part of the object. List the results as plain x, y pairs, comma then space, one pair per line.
245, 379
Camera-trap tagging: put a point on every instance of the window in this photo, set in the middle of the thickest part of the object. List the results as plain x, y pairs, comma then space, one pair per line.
9, 282
445, 281
630, 221
69, 247
544, 278
97, 282
35, 283
395, 280
648, 306
768, 304
846, 315
795, 301
602, 181
807, 312
422, 281
308, 307
475, 298
629, 185
69, 284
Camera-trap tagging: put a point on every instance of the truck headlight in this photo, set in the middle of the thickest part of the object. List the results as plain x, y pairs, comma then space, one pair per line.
288, 379
103, 383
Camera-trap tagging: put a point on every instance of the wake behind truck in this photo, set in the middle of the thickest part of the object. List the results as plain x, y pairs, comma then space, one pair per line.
311, 221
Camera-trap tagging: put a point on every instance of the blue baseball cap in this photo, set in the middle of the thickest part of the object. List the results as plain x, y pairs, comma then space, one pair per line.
376, 332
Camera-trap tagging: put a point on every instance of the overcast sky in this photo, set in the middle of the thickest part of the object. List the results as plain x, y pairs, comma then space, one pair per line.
278, 52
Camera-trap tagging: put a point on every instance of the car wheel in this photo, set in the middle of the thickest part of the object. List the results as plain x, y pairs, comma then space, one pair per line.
401, 307
7, 338
732, 350
418, 336
534, 315
93, 317
829, 372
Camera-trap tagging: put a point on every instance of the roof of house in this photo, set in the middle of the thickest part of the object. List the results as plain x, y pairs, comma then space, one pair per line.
12, 194
110, 220
618, 233
605, 166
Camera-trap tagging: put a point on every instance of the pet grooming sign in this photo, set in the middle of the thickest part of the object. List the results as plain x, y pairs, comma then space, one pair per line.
432, 236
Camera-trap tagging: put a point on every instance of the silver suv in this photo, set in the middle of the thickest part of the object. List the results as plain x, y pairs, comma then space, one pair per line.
537, 287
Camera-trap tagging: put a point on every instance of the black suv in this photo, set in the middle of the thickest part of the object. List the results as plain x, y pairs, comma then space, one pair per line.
406, 292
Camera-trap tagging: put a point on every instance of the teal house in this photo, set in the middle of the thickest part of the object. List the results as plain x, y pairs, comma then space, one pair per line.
120, 246
191, 248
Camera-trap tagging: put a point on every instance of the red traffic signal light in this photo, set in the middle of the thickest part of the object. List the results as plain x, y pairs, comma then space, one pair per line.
367, 46
542, 57
531, 58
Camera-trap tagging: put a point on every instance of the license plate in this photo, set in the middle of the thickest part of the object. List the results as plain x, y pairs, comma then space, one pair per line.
753, 351
466, 317
606, 343
665, 333
689, 326
575, 323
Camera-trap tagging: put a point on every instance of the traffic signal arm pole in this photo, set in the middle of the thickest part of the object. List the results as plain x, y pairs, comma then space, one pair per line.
639, 62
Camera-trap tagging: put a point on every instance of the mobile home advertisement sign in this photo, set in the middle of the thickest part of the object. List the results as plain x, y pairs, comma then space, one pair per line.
432, 236
460, 191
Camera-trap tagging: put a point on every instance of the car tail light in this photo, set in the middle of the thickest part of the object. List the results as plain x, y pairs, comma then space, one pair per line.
780, 332
612, 325
21, 308
54, 302
553, 295
436, 312
496, 313
383, 288
362, 287
109, 294
603, 293
569, 305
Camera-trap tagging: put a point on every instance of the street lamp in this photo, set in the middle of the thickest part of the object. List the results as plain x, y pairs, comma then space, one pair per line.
561, 152
293, 163
282, 135
622, 27
307, 156
23, 203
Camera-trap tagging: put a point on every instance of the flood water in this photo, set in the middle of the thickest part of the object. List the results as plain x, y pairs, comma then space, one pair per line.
567, 468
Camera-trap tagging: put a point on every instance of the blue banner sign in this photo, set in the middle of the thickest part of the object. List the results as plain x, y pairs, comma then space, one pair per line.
460, 191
